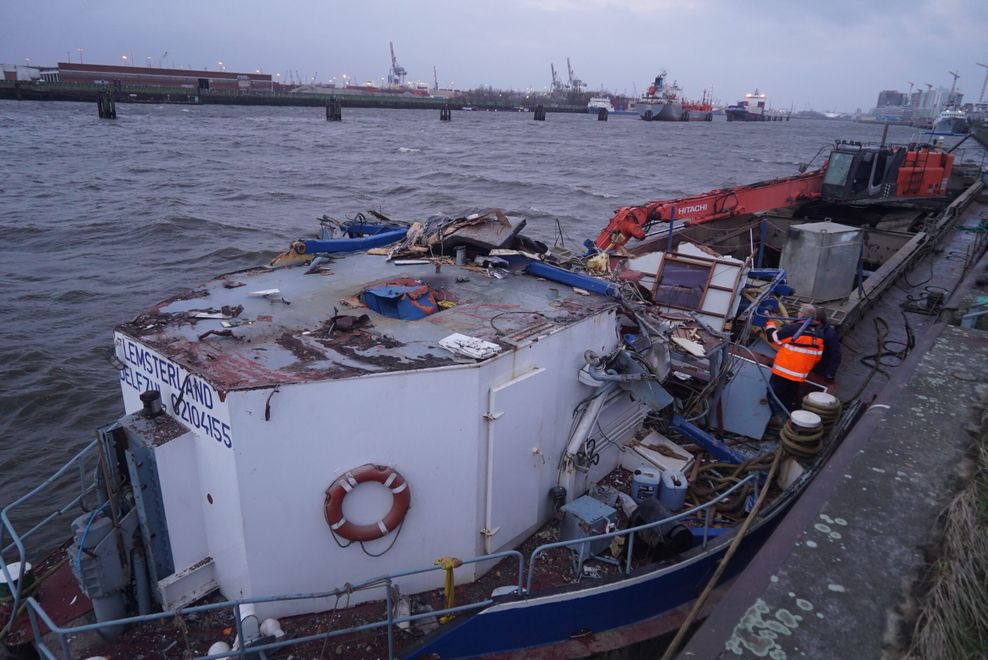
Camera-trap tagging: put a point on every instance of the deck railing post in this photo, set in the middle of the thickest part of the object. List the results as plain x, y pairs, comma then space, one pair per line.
391, 635
240, 629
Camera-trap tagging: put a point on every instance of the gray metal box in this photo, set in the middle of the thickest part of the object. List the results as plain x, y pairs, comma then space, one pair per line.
585, 517
821, 259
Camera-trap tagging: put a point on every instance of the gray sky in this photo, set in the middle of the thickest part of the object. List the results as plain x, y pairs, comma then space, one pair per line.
824, 54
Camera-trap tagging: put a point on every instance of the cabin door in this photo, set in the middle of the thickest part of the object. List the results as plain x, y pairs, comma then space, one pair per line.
514, 458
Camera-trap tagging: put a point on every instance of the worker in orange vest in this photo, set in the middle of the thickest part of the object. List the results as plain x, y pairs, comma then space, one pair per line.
801, 347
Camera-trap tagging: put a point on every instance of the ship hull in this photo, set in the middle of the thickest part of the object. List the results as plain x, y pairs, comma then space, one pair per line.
544, 624
740, 114
951, 126
980, 132
673, 112
697, 115
594, 111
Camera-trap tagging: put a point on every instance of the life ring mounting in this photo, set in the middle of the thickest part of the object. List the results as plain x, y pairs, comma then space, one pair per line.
391, 479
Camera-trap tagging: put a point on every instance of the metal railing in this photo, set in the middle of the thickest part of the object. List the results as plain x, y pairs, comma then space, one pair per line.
38, 615
18, 540
706, 507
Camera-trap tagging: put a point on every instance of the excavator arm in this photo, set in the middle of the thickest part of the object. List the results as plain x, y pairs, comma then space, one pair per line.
634, 221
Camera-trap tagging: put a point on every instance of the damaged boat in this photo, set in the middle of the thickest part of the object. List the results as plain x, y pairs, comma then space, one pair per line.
444, 439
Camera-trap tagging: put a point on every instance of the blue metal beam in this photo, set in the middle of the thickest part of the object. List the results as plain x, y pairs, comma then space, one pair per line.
718, 449
592, 284
379, 239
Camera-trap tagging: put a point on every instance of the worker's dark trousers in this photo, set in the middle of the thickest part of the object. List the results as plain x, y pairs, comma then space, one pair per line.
787, 392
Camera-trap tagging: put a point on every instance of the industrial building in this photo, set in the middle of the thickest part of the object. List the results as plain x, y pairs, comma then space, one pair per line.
107, 74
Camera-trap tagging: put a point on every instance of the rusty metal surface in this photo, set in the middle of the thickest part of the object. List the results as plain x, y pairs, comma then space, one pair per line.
300, 334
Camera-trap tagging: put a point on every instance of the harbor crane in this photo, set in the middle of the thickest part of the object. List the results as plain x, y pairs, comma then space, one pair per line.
556, 85
396, 76
981, 97
435, 79
575, 83
953, 87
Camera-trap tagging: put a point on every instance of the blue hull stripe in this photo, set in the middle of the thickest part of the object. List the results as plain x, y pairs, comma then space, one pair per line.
546, 620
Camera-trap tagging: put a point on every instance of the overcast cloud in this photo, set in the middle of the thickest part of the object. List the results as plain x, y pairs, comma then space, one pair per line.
835, 54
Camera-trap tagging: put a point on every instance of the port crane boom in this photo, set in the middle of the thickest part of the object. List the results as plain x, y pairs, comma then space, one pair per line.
556, 85
953, 86
575, 83
396, 76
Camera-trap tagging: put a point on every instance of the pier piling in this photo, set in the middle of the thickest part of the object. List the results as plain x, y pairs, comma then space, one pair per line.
445, 114
601, 114
105, 106
540, 112
334, 109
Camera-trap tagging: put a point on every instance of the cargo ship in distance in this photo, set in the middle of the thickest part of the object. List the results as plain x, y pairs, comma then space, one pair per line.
952, 121
754, 108
614, 106
663, 102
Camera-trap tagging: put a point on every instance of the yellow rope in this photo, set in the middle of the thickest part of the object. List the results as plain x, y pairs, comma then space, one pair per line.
448, 564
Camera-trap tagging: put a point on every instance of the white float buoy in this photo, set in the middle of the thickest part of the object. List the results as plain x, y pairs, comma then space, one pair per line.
217, 648
272, 627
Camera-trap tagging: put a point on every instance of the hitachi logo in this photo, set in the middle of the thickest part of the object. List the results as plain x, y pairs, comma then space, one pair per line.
696, 208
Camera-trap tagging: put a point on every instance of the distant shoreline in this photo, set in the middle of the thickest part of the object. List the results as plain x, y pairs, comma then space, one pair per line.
31, 91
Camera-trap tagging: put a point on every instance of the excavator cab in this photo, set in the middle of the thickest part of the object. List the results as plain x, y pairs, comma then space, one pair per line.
856, 172
859, 173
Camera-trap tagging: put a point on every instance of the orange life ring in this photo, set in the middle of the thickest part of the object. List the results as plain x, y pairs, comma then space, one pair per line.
390, 479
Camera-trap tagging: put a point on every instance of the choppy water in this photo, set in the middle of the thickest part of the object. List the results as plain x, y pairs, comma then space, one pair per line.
101, 219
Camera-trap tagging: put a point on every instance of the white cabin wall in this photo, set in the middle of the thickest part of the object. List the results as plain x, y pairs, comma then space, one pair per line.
425, 424
266, 529
214, 461
218, 479
561, 354
182, 498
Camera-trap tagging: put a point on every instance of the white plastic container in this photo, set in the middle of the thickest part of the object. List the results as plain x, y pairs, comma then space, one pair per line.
645, 484
674, 487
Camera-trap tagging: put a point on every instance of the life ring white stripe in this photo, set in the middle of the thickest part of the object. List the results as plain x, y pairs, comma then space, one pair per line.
346, 485
390, 480
381, 526
398, 489
338, 525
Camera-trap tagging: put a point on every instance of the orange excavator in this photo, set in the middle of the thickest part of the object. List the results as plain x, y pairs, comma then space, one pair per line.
854, 173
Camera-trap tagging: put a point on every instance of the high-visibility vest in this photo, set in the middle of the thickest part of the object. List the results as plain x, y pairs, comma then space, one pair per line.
796, 356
